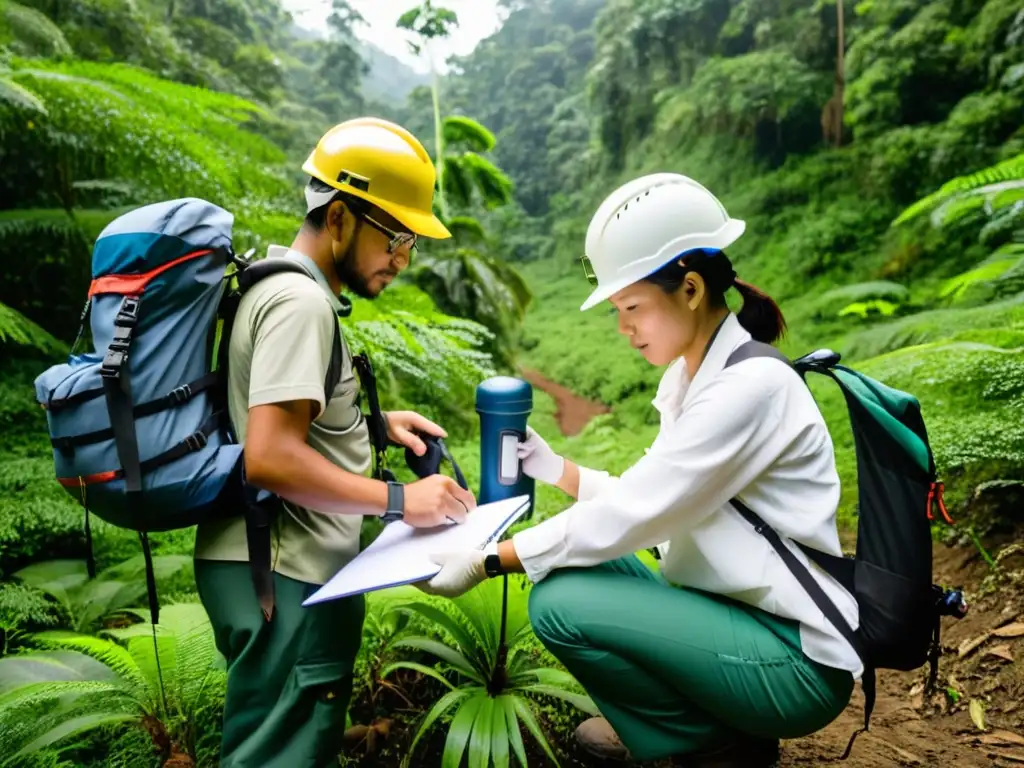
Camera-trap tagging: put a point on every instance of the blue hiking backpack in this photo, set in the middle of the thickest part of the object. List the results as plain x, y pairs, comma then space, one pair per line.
139, 426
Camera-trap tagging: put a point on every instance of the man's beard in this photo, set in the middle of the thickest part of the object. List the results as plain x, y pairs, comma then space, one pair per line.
351, 278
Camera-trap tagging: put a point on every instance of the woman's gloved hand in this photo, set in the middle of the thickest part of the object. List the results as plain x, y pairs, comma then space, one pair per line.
460, 572
539, 461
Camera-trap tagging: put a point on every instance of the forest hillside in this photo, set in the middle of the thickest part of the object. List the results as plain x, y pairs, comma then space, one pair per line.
875, 150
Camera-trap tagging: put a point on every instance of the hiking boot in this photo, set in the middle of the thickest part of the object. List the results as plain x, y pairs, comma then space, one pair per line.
744, 752
597, 737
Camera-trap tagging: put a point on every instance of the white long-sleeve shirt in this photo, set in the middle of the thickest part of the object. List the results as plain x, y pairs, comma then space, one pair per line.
753, 431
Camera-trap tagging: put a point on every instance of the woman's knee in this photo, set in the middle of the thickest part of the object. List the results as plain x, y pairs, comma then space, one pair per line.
552, 606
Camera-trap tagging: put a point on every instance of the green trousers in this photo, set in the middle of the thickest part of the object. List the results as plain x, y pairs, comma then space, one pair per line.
289, 679
677, 670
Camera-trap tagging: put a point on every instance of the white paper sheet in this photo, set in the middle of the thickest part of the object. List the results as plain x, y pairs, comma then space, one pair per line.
401, 553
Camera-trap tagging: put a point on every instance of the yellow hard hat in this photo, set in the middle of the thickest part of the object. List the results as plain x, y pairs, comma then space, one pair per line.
382, 163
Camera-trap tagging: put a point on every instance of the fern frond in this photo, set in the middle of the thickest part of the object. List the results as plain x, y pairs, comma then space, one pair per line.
187, 650
1008, 174
15, 328
49, 713
15, 95
72, 727
112, 656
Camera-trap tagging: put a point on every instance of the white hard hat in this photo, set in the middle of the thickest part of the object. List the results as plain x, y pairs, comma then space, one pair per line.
648, 222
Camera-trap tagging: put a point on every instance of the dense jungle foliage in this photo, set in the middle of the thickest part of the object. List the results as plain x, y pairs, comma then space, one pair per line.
878, 163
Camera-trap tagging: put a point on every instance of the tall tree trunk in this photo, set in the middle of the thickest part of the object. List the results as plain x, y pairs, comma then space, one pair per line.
438, 131
840, 69
832, 113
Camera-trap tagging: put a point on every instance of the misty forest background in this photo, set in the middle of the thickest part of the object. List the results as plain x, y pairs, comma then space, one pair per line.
874, 148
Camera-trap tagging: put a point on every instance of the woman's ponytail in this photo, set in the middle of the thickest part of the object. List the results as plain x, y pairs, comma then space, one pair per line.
760, 315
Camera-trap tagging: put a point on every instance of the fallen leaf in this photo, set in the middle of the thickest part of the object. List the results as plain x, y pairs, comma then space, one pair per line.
1002, 651
918, 687
978, 713
1013, 757
907, 756
1011, 707
969, 645
1010, 630
1001, 738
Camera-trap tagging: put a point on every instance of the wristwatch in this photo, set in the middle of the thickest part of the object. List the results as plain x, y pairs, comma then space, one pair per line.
492, 563
396, 502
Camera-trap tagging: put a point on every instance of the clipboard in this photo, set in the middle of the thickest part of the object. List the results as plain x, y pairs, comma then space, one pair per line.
401, 554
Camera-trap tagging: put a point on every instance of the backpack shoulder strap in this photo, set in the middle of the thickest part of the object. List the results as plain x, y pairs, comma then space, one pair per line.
260, 513
258, 270
752, 349
839, 568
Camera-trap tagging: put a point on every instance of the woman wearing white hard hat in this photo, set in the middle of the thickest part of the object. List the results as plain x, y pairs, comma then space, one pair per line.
723, 653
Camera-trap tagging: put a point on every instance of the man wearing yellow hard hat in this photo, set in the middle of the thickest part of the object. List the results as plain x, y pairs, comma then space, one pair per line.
308, 445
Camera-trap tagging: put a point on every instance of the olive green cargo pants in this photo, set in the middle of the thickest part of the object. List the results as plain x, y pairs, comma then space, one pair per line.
677, 670
290, 679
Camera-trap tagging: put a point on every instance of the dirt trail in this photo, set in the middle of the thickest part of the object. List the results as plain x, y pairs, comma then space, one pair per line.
573, 412
908, 731
905, 729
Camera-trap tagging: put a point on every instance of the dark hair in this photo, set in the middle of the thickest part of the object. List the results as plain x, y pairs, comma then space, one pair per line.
760, 315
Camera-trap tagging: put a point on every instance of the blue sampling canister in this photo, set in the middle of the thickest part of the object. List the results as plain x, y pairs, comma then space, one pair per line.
503, 403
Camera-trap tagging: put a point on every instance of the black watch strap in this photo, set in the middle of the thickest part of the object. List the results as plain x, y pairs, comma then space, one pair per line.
396, 502
492, 566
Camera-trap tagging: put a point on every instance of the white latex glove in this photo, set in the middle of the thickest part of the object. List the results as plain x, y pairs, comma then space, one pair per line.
460, 572
539, 461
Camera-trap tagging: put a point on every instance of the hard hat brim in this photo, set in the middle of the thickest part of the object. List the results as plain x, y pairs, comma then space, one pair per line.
603, 292
417, 222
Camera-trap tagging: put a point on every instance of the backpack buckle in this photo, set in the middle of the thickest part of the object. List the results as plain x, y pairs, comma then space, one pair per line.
114, 360
181, 394
128, 314
195, 441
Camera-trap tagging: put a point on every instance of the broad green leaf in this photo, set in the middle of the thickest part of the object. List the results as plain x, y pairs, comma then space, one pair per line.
464, 640
443, 705
481, 737
525, 713
444, 653
515, 737
499, 734
421, 668
460, 729
51, 666
578, 700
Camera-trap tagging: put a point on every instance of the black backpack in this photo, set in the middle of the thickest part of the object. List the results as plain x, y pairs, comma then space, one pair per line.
890, 576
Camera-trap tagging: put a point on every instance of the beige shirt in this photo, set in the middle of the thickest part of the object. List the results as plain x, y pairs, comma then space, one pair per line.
279, 350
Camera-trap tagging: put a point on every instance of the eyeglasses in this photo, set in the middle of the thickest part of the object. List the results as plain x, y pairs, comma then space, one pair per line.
588, 270
396, 240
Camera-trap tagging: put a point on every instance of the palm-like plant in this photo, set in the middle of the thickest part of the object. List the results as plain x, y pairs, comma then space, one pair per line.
464, 279
141, 675
468, 175
497, 678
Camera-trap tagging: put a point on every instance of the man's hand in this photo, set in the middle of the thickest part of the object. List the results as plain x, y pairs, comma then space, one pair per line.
403, 426
432, 500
